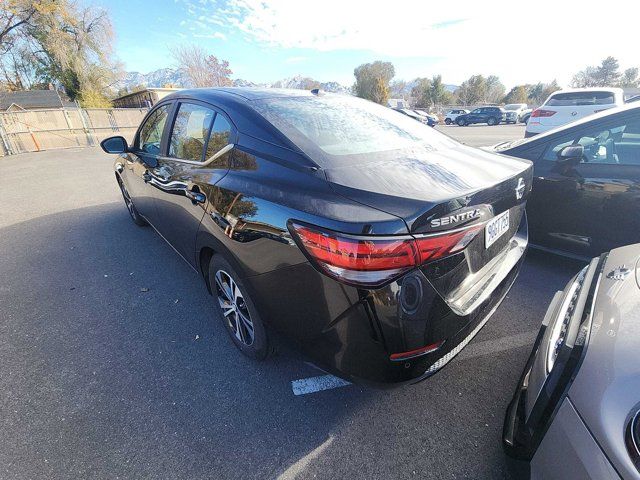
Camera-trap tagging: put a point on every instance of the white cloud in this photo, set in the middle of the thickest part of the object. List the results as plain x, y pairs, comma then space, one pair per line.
549, 40
295, 59
216, 35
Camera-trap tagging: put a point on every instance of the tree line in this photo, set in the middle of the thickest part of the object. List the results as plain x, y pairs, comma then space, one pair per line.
374, 81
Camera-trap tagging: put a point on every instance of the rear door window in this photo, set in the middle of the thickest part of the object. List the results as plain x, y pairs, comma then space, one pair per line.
190, 131
575, 99
220, 136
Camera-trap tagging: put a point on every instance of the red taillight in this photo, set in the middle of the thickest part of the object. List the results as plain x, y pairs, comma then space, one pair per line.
375, 260
399, 357
542, 113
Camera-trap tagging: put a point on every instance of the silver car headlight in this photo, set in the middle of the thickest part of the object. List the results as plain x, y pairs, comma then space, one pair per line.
565, 313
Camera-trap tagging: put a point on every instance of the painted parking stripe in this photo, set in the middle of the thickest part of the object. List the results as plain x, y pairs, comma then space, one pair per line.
317, 384
305, 386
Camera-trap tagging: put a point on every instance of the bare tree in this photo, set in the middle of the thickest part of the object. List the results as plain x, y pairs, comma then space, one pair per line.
201, 69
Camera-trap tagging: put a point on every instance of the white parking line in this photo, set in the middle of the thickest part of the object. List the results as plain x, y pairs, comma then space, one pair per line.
305, 386
317, 384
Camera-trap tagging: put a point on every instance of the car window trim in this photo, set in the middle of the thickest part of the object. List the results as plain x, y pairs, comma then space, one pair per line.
170, 114
228, 147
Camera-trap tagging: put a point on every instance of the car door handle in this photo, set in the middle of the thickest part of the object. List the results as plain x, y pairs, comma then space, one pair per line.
146, 176
195, 197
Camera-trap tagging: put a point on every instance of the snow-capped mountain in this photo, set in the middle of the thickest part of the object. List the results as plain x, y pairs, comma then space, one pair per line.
175, 77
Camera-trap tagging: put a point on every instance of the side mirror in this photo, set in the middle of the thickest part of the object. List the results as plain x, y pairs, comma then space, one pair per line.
114, 145
571, 154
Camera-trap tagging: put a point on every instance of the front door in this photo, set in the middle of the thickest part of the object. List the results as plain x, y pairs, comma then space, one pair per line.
144, 154
192, 162
592, 206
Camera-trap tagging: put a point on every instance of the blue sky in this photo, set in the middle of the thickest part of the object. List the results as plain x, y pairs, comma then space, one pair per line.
266, 40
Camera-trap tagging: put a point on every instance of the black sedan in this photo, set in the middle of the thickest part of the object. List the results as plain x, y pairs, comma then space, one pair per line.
586, 184
379, 246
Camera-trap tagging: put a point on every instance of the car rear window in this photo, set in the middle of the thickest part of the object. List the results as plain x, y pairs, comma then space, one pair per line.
573, 99
335, 129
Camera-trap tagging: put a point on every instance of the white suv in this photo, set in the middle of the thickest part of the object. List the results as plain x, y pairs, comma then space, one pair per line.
565, 106
453, 114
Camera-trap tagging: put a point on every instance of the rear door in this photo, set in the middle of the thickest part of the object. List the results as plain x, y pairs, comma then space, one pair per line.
571, 106
196, 157
592, 206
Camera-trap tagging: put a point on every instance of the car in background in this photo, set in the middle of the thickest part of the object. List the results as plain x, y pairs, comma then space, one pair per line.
566, 106
586, 183
516, 112
575, 414
432, 120
378, 246
488, 115
453, 114
526, 117
415, 115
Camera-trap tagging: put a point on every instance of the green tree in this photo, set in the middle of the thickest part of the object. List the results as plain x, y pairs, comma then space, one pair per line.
421, 92
472, 91
439, 94
517, 94
630, 78
494, 90
607, 74
372, 81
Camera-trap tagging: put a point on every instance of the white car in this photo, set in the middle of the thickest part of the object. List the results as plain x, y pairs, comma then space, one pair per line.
453, 114
565, 106
516, 112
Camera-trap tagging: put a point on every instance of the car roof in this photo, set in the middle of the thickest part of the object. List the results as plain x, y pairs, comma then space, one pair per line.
590, 89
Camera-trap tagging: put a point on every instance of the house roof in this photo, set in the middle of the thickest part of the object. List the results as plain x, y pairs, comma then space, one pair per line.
31, 99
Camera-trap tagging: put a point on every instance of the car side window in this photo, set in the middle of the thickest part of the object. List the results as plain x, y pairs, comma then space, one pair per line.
190, 131
220, 135
477, 110
617, 143
151, 131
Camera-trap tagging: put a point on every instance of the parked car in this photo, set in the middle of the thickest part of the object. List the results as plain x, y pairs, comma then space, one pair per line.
417, 116
586, 183
488, 115
432, 120
566, 106
516, 112
453, 114
379, 246
526, 117
575, 414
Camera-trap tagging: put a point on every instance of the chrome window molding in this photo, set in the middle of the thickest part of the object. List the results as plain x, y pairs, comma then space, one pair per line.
208, 161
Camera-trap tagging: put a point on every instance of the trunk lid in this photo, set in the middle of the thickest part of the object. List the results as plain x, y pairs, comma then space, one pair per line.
449, 189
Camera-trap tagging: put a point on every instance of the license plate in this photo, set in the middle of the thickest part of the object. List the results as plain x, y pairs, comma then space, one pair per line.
496, 228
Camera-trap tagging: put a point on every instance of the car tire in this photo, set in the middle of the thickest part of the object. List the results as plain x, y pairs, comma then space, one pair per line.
237, 311
447, 121
491, 121
461, 122
133, 211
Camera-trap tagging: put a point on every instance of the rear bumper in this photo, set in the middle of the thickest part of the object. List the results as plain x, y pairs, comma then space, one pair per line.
353, 332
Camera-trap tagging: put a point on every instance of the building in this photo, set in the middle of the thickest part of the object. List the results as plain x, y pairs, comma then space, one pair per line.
144, 98
398, 103
33, 99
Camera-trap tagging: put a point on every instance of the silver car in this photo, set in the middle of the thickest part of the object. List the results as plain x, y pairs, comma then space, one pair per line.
575, 413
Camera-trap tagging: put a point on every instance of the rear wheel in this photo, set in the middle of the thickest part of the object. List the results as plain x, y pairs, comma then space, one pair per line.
133, 212
447, 121
237, 310
492, 121
461, 122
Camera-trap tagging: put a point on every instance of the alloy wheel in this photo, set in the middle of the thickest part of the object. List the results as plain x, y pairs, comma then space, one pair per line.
234, 308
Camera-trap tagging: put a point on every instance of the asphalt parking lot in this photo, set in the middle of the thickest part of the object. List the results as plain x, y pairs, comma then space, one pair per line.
480, 135
113, 364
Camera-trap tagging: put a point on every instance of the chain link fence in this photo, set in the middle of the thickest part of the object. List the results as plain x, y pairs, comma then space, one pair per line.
35, 130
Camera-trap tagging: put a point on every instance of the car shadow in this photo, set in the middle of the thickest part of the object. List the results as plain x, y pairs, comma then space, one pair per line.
115, 364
